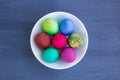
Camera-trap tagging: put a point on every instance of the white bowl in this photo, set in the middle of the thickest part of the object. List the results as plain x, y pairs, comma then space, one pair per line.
79, 28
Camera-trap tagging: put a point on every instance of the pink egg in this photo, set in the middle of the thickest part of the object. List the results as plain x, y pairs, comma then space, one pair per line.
68, 54
59, 41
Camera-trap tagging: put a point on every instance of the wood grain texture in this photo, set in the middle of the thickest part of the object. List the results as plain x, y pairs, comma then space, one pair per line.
101, 18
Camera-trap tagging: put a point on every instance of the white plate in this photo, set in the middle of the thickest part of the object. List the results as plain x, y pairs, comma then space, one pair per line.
79, 28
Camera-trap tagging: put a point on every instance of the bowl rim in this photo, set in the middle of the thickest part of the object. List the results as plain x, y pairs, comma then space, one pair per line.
85, 30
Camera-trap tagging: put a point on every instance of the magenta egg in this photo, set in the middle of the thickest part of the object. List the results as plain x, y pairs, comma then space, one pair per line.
59, 41
68, 54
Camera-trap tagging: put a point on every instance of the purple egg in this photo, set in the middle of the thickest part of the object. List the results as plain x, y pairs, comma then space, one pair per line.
68, 54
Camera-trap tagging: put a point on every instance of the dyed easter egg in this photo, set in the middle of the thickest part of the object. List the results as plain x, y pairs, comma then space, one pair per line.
68, 54
66, 27
50, 55
76, 40
59, 41
50, 26
42, 40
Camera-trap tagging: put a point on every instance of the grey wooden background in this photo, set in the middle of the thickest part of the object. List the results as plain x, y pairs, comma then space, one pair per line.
101, 18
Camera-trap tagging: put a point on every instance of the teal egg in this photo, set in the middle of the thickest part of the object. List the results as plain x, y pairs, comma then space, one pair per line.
50, 55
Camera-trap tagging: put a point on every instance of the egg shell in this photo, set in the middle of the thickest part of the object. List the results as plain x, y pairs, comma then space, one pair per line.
66, 27
50, 55
42, 40
50, 26
68, 54
59, 41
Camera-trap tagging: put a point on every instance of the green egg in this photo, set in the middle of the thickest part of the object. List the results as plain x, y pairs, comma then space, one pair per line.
50, 26
50, 55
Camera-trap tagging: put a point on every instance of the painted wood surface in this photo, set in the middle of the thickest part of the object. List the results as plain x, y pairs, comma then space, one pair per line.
101, 18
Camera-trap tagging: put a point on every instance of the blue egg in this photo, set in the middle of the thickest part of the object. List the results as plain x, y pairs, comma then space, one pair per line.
66, 27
